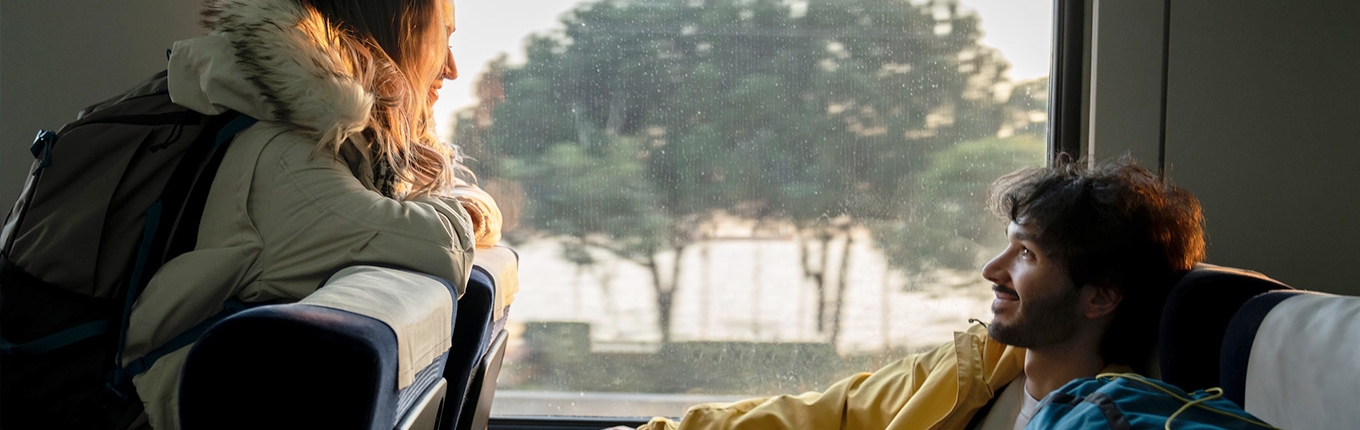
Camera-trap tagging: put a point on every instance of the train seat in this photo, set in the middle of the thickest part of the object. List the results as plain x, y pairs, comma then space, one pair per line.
1290, 358
482, 312
366, 351
1195, 318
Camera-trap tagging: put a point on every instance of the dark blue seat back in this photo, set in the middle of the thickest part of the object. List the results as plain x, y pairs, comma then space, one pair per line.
1237, 342
477, 405
1195, 318
264, 368
471, 339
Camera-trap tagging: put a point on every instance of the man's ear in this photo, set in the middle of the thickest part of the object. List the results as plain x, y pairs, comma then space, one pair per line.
1100, 301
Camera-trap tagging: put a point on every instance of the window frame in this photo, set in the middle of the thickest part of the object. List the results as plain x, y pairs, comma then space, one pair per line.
1068, 78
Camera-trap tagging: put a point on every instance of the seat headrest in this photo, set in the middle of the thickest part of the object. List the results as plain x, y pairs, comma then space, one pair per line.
1290, 359
501, 266
418, 307
1195, 317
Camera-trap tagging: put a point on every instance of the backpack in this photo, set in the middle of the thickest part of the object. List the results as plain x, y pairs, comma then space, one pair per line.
1130, 401
109, 199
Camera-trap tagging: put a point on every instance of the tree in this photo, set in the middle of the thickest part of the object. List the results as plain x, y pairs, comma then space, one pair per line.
818, 116
608, 185
948, 224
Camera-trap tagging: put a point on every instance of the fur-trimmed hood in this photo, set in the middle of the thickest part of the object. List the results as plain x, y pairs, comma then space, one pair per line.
274, 61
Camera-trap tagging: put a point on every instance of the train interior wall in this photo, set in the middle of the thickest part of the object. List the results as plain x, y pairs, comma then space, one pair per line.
1262, 112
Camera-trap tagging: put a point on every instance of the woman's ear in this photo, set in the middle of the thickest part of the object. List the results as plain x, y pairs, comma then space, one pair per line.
1100, 301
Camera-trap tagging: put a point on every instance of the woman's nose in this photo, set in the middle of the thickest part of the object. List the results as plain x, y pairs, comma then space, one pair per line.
450, 67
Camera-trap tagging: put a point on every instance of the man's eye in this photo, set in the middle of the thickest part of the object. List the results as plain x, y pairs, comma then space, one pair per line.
1026, 252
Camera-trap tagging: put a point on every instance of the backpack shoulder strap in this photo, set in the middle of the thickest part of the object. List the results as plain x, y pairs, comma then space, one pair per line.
55, 340
189, 216
124, 374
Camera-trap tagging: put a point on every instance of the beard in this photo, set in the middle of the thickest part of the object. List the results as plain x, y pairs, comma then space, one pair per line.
1040, 320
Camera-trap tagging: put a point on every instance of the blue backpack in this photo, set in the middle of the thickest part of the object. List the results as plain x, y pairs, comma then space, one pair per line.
1129, 401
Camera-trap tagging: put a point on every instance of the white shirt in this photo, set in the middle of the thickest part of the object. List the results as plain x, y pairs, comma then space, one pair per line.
1027, 410
1013, 408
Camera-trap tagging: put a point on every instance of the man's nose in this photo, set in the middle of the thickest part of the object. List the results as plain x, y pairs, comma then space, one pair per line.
992, 270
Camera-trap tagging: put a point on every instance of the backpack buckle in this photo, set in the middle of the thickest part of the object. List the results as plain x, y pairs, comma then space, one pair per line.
42, 147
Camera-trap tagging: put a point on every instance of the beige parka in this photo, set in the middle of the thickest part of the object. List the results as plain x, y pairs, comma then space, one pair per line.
280, 215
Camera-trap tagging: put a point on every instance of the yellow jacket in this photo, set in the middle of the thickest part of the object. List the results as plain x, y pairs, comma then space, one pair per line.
939, 389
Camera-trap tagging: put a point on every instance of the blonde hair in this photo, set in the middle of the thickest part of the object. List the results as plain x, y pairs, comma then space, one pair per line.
385, 56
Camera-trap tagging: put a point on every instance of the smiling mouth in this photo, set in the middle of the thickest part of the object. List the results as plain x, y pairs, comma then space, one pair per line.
1003, 293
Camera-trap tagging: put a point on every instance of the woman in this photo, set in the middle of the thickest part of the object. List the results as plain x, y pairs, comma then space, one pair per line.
342, 167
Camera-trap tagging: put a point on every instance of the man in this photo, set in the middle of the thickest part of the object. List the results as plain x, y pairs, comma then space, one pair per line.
1092, 253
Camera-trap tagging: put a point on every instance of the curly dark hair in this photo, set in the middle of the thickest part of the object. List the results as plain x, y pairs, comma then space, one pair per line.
1112, 224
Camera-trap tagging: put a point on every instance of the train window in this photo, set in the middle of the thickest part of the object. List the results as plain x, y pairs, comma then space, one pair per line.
719, 199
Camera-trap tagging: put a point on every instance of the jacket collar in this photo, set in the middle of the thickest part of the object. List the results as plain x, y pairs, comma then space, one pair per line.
275, 61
